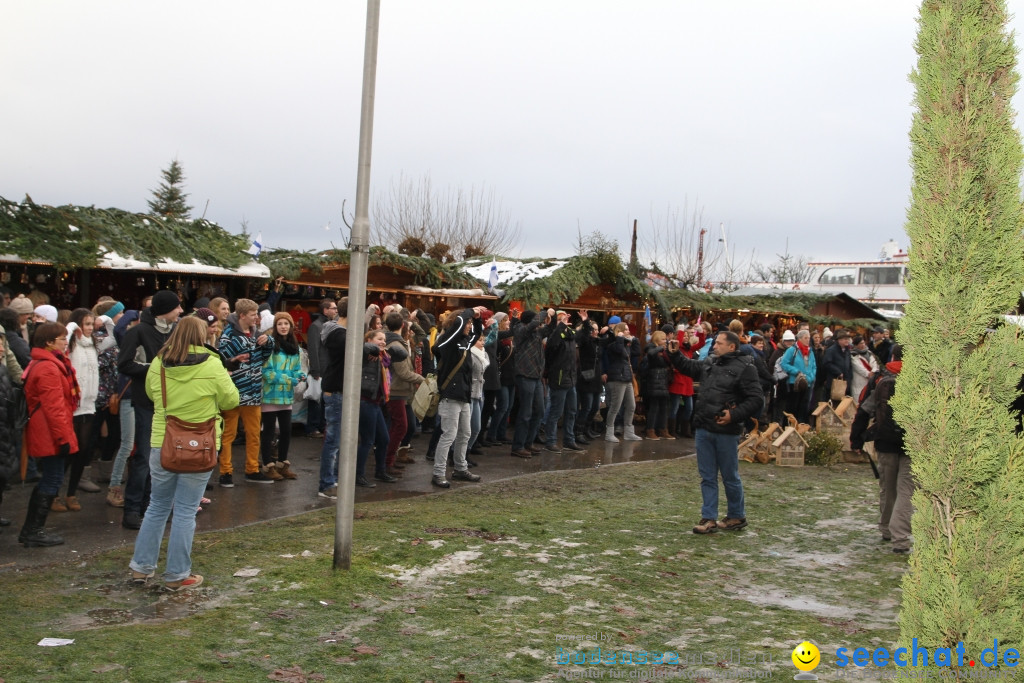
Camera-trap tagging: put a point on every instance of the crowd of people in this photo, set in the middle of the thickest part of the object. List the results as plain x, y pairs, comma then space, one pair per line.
105, 380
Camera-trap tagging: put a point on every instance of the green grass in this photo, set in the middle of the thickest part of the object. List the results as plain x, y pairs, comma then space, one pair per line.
605, 551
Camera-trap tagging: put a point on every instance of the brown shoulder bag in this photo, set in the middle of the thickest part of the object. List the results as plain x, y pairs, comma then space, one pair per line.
188, 447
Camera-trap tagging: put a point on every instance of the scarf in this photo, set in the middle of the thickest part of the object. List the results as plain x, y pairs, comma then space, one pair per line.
69, 370
805, 350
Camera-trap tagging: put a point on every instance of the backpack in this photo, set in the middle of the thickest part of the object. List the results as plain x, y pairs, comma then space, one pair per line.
778, 373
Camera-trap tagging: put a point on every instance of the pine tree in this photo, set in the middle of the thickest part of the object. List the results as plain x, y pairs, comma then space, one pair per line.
169, 199
965, 580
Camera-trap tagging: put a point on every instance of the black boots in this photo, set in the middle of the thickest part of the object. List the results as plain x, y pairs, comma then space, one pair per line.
33, 535
592, 431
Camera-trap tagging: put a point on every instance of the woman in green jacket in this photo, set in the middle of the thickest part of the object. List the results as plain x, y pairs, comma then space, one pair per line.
198, 388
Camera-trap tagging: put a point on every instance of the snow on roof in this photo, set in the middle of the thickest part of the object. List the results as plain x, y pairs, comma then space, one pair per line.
515, 271
116, 262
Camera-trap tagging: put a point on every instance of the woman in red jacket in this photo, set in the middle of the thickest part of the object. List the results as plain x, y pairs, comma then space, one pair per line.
52, 394
681, 389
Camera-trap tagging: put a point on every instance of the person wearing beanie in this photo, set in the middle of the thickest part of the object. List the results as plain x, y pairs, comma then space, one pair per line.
46, 314
24, 308
139, 347
614, 320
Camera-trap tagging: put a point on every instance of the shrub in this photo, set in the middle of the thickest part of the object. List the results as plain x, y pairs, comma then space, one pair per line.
823, 449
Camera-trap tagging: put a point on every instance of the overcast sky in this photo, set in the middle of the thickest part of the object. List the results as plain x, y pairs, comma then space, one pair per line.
784, 119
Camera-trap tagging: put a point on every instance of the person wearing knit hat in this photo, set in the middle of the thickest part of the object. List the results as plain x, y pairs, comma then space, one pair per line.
22, 305
46, 313
164, 302
138, 348
115, 310
614, 320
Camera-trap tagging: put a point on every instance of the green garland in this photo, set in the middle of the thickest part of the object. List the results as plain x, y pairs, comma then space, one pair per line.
290, 264
43, 233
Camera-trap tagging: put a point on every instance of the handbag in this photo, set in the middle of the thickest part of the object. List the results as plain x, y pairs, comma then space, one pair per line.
588, 375
114, 402
188, 447
838, 389
801, 382
424, 402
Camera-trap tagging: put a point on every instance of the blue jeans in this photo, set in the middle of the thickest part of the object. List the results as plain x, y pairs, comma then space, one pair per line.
127, 414
476, 410
182, 493
332, 441
51, 474
717, 453
314, 415
590, 403
499, 420
136, 491
562, 400
373, 431
531, 410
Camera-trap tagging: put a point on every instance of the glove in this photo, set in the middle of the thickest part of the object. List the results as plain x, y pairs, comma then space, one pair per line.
64, 450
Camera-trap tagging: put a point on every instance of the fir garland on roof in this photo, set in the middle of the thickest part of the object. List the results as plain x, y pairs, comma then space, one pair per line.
79, 236
290, 264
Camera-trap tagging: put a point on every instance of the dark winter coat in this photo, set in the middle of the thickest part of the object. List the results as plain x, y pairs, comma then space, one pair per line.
51, 392
530, 346
889, 436
333, 336
561, 357
9, 455
658, 373
451, 346
616, 356
374, 384
506, 352
837, 362
590, 359
318, 356
138, 349
726, 382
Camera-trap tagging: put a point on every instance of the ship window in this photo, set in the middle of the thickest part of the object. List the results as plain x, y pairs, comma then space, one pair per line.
838, 276
880, 276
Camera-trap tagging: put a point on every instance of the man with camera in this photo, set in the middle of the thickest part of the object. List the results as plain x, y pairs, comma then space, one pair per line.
729, 394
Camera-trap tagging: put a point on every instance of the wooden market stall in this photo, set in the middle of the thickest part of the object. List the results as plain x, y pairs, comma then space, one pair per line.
414, 282
70, 256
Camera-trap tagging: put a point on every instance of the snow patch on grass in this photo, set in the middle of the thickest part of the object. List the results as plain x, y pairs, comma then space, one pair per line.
449, 565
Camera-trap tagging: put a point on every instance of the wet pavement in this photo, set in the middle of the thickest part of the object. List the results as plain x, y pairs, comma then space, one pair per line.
98, 526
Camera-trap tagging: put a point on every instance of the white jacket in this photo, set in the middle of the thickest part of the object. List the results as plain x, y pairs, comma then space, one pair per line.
861, 373
85, 360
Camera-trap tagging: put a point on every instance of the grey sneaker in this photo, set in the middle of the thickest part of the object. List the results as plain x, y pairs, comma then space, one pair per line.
465, 475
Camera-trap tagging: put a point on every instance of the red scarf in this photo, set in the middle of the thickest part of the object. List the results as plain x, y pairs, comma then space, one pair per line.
806, 350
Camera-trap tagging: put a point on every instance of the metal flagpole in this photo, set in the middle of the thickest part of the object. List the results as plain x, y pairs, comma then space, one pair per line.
358, 264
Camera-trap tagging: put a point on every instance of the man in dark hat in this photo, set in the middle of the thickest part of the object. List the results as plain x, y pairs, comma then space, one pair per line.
138, 348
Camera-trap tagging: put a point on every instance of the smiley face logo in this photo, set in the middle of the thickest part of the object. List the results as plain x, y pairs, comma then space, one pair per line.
806, 656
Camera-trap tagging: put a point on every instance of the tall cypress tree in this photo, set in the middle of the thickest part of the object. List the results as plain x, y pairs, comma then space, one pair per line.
965, 581
169, 199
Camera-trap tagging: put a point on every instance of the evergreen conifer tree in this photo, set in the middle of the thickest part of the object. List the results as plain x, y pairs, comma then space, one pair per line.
169, 199
965, 580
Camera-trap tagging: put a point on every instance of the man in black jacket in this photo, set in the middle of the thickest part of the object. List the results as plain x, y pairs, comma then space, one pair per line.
138, 348
529, 334
318, 359
333, 335
729, 394
454, 376
895, 480
561, 367
837, 363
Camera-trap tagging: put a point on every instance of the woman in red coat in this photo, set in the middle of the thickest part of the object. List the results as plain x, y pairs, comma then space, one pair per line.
52, 394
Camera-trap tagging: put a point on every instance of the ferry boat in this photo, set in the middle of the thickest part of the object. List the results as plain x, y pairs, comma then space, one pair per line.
880, 284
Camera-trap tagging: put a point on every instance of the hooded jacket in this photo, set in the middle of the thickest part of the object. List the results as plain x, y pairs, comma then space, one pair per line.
728, 382
529, 335
198, 389
889, 435
333, 335
561, 354
403, 379
138, 349
249, 376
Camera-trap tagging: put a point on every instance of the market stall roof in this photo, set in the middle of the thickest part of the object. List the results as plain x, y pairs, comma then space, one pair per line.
813, 307
396, 272
87, 237
562, 282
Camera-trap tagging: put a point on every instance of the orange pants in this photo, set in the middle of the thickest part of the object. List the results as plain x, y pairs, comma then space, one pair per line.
252, 420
